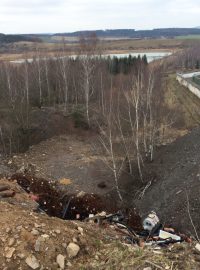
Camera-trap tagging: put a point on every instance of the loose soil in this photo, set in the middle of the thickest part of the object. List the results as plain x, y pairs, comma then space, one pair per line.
74, 162
24, 233
177, 169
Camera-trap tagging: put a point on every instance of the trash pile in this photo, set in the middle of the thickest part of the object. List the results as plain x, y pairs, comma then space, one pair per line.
153, 233
91, 208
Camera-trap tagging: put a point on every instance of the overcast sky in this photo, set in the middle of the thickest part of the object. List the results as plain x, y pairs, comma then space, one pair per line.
50, 16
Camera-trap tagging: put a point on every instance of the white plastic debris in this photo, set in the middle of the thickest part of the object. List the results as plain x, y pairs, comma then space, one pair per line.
151, 221
166, 235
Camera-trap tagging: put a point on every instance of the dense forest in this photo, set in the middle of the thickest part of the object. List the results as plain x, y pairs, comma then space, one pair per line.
17, 38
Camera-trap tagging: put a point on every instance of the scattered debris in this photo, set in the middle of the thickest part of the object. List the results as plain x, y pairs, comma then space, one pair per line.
153, 233
90, 207
167, 235
151, 222
32, 240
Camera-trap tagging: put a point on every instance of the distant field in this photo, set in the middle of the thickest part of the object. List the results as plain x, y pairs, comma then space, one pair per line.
189, 37
146, 44
111, 43
19, 50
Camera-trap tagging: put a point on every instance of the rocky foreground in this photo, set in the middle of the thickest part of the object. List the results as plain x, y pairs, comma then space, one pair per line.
33, 240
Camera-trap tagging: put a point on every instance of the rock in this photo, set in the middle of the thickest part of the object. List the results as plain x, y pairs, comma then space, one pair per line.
61, 261
80, 230
32, 262
21, 170
16, 236
11, 242
69, 264
57, 231
3, 239
197, 247
9, 252
37, 245
147, 268
75, 240
18, 228
46, 236
34, 232
72, 250
8, 230
21, 255
80, 194
64, 245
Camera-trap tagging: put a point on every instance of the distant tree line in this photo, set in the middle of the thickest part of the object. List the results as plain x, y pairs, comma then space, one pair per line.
132, 33
17, 38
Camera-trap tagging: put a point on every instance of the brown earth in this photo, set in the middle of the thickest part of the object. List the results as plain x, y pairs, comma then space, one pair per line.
76, 167
75, 162
26, 234
177, 169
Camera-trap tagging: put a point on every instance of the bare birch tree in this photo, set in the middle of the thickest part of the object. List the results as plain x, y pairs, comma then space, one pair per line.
107, 140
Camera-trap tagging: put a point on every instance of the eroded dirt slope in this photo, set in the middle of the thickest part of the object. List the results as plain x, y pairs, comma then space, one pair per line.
177, 167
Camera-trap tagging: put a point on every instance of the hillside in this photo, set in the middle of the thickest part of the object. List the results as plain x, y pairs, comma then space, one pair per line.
132, 33
17, 38
177, 185
32, 240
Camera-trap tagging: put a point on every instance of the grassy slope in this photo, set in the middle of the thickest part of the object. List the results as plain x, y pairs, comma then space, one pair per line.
186, 103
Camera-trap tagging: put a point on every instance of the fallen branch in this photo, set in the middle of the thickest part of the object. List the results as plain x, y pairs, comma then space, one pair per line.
155, 265
190, 217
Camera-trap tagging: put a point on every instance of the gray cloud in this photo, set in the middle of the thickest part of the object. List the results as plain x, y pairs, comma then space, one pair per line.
34, 16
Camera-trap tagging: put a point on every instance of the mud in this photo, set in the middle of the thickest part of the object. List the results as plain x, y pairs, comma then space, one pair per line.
46, 192
55, 202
